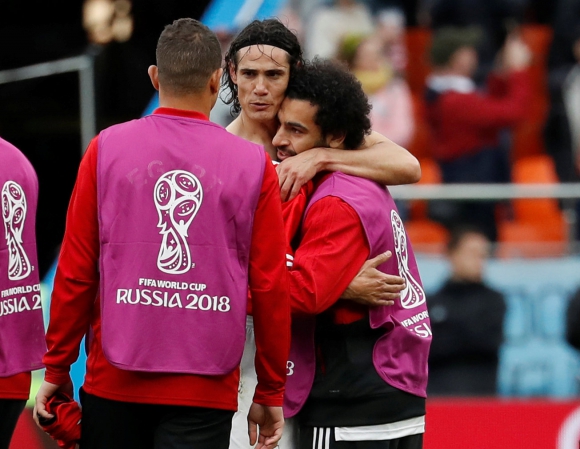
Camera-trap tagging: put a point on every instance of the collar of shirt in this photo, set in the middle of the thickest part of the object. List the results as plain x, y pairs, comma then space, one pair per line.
181, 113
444, 83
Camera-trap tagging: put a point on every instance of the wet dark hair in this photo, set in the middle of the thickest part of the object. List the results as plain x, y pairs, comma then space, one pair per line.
187, 54
259, 32
343, 107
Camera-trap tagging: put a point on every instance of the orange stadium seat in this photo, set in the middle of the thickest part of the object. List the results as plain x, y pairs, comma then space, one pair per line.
528, 138
426, 235
430, 174
539, 227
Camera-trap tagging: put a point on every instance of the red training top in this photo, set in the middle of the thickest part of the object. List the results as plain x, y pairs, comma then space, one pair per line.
15, 387
75, 307
332, 250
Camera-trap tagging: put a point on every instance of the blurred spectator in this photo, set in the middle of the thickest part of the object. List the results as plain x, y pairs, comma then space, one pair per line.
467, 321
329, 24
466, 123
494, 17
391, 33
573, 321
392, 112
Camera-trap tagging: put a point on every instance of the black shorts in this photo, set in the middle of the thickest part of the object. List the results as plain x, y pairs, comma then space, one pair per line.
10, 410
108, 424
323, 438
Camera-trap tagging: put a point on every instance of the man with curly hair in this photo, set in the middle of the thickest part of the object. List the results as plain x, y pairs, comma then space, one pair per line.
258, 66
368, 382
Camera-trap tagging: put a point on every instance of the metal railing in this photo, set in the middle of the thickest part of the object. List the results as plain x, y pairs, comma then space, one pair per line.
568, 193
485, 192
84, 64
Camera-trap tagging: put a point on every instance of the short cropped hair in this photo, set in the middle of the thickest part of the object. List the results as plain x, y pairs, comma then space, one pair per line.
343, 107
259, 32
187, 54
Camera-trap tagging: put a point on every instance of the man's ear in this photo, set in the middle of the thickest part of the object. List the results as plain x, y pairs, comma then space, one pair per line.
215, 81
336, 140
233, 74
153, 72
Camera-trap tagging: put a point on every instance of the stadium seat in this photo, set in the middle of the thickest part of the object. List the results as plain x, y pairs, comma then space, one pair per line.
536, 220
418, 41
528, 137
430, 174
537, 368
426, 235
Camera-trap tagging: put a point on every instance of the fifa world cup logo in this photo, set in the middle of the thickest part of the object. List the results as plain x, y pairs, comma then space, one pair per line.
14, 213
413, 295
178, 195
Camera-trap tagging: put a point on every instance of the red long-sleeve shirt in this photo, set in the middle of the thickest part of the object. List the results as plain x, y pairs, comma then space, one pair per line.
15, 387
332, 249
464, 123
75, 307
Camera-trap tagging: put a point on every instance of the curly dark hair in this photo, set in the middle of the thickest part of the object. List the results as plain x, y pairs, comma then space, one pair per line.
342, 104
259, 32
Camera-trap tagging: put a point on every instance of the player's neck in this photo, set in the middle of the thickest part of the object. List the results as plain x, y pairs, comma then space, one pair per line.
259, 132
199, 103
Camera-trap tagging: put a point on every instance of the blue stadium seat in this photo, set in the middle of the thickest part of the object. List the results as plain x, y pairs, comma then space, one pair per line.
537, 368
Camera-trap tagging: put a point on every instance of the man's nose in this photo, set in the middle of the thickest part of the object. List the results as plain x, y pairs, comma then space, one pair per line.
260, 88
279, 139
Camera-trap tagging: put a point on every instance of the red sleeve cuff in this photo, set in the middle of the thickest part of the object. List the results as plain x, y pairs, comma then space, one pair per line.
57, 376
275, 399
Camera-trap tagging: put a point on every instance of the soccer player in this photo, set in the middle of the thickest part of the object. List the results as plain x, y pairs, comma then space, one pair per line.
259, 64
369, 380
170, 220
21, 326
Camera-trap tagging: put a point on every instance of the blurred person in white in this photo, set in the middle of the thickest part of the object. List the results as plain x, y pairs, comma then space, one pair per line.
389, 94
329, 24
467, 321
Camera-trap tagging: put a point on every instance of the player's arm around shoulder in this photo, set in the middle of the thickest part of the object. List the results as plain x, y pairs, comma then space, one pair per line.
379, 159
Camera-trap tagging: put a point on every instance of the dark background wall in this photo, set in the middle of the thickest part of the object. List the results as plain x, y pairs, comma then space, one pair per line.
41, 116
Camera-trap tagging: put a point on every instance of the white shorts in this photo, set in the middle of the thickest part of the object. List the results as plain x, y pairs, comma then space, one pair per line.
239, 438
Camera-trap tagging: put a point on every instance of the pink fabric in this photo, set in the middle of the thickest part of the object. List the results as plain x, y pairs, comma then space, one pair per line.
22, 343
400, 354
176, 198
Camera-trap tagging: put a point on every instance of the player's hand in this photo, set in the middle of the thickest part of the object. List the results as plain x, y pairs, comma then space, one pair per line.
46, 391
265, 424
296, 171
372, 287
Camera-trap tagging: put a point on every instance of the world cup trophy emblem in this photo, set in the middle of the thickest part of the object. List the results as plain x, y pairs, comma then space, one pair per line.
413, 294
178, 196
14, 208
